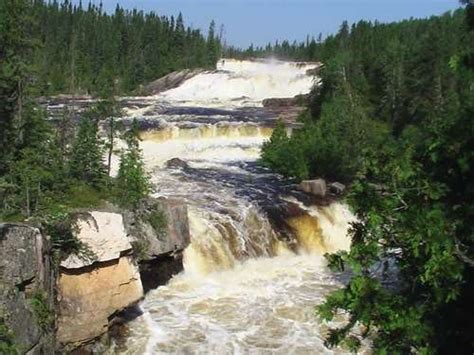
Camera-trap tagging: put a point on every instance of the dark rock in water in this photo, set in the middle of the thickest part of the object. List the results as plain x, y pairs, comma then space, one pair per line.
315, 187
279, 102
26, 288
336, 188
176, 163
298, 100
160, 270
170, 81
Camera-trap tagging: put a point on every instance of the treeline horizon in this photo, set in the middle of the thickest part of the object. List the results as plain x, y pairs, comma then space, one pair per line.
84, 49
311, 48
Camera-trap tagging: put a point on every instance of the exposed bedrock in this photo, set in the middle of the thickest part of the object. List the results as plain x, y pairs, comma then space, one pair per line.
101, 281
159, 232
124, 253
169, 81
26, 288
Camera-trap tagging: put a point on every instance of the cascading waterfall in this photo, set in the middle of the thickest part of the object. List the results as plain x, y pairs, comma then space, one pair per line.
247, 287
244, 83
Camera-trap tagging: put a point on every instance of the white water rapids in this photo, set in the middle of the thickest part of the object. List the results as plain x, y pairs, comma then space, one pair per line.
247, 287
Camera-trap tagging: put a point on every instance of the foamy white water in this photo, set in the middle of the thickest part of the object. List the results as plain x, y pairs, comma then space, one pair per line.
247, 287
244, 83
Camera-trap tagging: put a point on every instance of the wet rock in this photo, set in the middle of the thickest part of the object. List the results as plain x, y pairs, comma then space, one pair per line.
314, 71
100, 282
170, 81
176, 163
159, 270
279, 102
298, 100
315, 187
26, 276
336, 188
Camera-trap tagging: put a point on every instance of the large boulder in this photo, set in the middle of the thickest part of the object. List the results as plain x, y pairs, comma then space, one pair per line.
26, 288
159, 225
159, 232
177, 163
315, 187
100, 282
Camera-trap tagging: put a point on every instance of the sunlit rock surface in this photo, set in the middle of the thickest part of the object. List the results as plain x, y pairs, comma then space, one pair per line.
100, 282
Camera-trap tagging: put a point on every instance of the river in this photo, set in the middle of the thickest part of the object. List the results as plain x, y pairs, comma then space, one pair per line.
248, 287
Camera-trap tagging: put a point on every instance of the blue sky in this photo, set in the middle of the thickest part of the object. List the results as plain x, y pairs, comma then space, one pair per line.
261, 21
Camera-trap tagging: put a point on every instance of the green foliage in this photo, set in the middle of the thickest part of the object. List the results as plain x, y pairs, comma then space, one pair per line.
86, 162
394, 117
84, 49
60, 226
7, 344
132, 183
44, 315
279, 154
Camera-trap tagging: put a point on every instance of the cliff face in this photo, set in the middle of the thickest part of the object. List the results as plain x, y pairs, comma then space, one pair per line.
26, 288
103, 281
159, 231
79, 302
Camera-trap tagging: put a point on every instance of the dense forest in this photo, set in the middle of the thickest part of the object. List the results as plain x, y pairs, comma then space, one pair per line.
86, 50
394, 118
46, 170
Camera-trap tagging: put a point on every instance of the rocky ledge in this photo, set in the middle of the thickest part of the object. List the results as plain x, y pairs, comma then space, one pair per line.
122, 253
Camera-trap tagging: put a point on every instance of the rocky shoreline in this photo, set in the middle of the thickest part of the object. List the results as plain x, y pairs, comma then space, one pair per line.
71, 306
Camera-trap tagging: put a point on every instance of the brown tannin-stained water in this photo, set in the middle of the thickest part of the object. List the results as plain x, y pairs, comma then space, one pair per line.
247, 287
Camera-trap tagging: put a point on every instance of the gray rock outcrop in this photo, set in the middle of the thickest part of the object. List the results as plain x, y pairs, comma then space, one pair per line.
160, 225
170, 81
26, 288
315, 187
336, 188
159, 231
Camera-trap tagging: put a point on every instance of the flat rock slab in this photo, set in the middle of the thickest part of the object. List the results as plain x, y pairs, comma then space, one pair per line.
103, 234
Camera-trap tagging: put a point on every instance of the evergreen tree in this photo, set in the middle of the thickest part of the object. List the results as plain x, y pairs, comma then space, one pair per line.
86, 162
132, 180
15, 53
394, 119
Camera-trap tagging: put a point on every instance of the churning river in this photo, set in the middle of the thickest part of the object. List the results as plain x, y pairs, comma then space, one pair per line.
254, 270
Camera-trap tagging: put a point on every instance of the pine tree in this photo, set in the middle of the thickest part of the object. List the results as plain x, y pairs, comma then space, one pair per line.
132, 182
15, 53
86, 162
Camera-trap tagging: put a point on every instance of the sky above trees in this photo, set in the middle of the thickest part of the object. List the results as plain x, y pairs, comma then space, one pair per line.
261, 21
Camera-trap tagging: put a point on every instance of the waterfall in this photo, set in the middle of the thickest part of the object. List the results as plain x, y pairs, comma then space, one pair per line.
244, 83
255, 268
